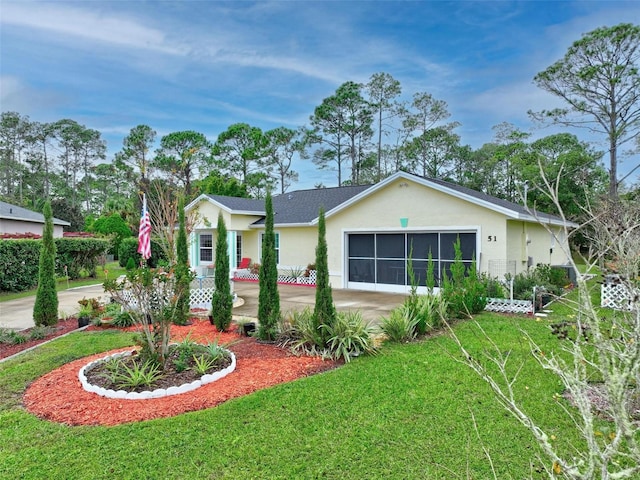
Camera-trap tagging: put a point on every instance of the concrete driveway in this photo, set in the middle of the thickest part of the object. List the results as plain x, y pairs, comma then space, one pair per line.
372, 305
18, 314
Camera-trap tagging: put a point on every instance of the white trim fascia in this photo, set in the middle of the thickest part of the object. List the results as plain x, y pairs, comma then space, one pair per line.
282, 225
56, 221
449, 191
546, 221
194, 202
457, 228
222, 206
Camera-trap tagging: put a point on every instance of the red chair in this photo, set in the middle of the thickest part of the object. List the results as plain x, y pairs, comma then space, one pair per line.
244, 263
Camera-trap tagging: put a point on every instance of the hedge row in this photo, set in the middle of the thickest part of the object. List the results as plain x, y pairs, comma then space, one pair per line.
129, 249
19, 260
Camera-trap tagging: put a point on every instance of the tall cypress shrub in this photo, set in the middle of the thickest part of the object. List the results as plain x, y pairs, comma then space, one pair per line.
222, 300
183, 274
324, 313
268, 298
45, 309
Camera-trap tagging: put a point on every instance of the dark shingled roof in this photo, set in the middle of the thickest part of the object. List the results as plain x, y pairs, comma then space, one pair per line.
240, 204
499, 202
14, 212
302, 206
298, 207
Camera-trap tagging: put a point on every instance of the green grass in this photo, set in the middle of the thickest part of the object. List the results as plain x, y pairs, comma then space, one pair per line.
405, 413
113, 271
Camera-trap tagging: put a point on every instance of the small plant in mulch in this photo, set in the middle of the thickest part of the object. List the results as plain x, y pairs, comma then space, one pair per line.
186, 362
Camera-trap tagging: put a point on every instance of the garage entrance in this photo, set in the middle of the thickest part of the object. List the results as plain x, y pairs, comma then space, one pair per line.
378, 261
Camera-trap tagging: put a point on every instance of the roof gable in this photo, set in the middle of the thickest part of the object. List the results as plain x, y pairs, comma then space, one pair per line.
301, 207
509, 209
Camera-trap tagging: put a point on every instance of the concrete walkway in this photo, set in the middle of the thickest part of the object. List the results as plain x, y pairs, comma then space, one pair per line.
18, 314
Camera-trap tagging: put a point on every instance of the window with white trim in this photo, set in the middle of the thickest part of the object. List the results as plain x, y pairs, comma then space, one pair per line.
206, 248
277, 245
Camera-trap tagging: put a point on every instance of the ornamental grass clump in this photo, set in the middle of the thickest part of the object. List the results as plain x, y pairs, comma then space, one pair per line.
349, 336
400, 325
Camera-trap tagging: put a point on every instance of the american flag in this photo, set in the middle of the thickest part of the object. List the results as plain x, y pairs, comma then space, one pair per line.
144, 232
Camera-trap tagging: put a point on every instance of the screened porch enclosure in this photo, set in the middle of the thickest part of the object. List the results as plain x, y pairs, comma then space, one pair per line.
381, 258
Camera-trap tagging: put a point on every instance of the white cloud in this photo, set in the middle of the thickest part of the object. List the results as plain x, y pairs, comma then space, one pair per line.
88, 25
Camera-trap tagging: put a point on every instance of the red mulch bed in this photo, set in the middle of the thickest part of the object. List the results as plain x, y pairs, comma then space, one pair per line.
63, 326
59, 397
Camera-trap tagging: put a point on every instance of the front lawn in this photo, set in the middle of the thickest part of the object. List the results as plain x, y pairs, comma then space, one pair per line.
405, 413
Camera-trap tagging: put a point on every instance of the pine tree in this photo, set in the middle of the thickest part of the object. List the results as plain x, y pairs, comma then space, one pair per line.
222, 300
45, 309
324, 313
183, 274
268, 298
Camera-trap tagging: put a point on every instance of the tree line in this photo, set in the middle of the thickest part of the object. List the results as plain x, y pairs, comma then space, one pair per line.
363, 132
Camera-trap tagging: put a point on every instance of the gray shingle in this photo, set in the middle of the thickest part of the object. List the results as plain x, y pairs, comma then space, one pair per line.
14, 212
302, 206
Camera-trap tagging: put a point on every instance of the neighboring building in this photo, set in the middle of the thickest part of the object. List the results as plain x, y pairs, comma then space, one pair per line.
371, 230
19, 220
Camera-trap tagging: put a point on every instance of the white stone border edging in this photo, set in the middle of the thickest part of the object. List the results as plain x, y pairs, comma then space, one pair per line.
160, 392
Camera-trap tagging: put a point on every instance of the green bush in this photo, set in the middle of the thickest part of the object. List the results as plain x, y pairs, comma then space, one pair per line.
299, 330
113, 226
131, 264
324, 312
19, 260
19, 264
418, 315
462, 290
400, 325
183, 273
492, 286
268, 297
77, 254
349, 336
129, 249
547, 278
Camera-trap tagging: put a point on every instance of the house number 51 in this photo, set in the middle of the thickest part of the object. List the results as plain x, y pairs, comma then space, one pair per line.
491, 238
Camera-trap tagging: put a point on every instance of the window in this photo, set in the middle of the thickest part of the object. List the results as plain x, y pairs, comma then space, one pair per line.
238, 249
277, 242
206, 247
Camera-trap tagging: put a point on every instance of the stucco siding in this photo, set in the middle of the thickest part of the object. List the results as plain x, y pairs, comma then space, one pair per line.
20, 227
533, 240
425, 210
297, 246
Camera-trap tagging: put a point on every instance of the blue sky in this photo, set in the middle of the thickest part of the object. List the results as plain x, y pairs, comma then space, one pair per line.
203, 65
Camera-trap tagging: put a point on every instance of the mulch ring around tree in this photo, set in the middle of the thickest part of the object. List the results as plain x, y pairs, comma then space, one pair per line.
59, 397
